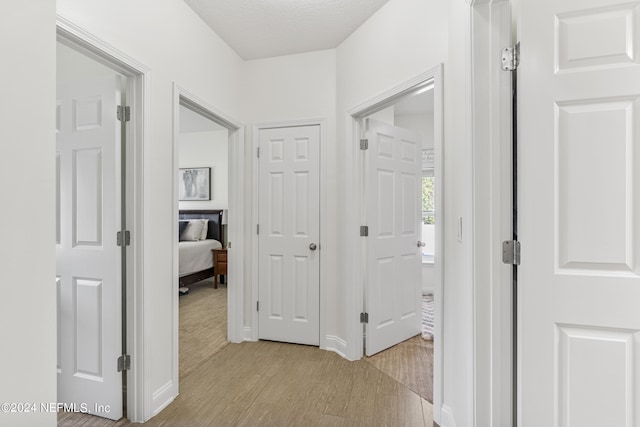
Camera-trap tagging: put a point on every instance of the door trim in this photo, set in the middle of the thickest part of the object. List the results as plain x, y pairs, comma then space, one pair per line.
251, 332
138, 90
355, 245
235, 227
490, 114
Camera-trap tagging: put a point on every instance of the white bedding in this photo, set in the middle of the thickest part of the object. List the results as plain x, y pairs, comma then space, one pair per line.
196, 256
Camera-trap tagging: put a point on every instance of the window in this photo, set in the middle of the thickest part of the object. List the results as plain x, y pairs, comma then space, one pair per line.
428, 200
428, 215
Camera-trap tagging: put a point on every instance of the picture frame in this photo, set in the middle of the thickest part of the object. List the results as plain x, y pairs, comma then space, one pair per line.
194, 184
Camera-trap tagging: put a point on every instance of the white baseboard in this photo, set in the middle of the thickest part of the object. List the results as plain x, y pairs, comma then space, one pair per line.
162, 397
446, 417
337, 345
248, 334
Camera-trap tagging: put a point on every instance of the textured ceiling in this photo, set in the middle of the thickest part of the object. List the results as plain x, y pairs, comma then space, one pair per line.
264, 28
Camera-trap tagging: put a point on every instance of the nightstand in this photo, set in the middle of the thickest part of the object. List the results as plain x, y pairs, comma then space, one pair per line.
219, 264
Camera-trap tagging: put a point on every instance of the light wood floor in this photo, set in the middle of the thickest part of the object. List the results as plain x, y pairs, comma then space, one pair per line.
410, 363
275, 384
203, 324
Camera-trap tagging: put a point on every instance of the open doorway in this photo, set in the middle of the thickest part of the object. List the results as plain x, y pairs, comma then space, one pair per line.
99, 139
203, 188
207, 145
392, 163
411, 361
90, 204
107, 174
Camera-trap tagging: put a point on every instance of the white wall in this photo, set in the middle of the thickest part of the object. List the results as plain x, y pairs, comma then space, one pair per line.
72, 66
428, 278
210, 150
171, 40
421, 123
27, 190
386, 115
290, 88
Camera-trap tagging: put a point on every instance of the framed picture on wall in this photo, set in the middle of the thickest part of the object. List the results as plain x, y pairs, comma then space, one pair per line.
194, 184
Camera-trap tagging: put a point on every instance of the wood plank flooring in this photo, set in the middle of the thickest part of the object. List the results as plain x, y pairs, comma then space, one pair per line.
274, 384
410, 363
202, 324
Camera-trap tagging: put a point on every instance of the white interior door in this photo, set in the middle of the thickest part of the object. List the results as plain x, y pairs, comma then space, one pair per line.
394, 264
579, 220
289, 229
88, 258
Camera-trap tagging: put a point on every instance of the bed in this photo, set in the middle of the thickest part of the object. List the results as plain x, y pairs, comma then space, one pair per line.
195, 260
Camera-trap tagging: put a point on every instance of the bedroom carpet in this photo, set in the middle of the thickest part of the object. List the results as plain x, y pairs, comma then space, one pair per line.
203, 324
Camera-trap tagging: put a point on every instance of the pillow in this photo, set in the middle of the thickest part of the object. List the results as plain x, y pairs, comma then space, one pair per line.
192, 232
182, 225
205, 228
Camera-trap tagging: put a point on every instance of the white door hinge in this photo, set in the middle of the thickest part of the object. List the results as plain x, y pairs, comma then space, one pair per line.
511, 57
364, 144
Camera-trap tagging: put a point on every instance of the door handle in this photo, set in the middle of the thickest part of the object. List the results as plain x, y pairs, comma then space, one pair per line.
421, 244
313, 247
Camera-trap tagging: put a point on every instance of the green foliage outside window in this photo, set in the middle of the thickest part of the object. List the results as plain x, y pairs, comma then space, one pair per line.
428, 200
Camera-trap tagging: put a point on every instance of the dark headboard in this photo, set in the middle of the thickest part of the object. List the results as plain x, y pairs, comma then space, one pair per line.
215, 230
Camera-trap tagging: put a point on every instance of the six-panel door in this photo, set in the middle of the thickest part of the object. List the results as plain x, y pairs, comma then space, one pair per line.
393, 213
579, 213
87, 256
289, 232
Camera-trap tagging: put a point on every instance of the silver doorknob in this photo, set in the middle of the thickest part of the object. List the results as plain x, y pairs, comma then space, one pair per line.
421, 244
313, 247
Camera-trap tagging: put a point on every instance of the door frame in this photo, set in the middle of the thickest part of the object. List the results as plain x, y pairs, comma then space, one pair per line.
235, 227
251, 333
355, 294
138, 90
490, 113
